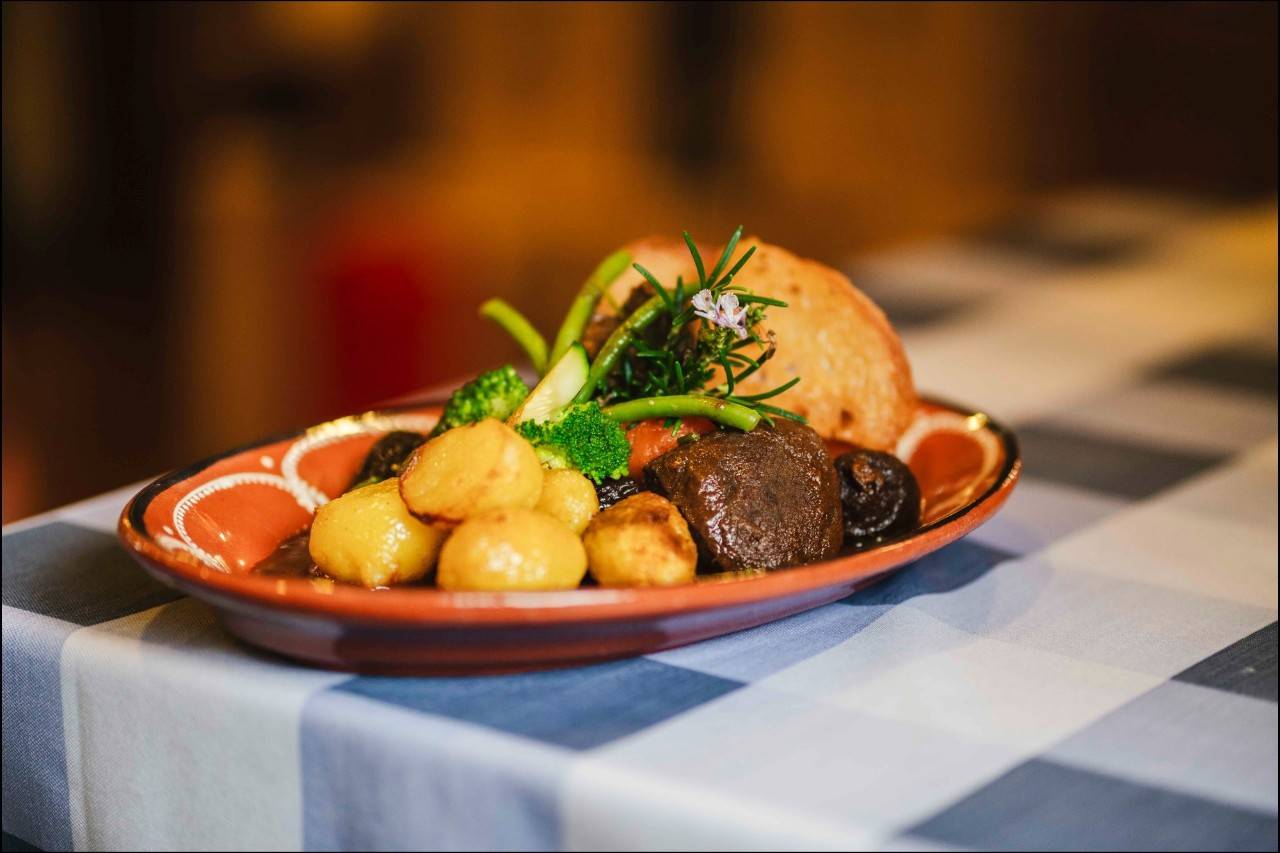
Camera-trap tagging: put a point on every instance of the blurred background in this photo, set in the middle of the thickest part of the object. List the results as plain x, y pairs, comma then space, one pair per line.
223, 221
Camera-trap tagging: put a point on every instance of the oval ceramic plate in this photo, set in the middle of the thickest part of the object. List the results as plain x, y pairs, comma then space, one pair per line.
204, 528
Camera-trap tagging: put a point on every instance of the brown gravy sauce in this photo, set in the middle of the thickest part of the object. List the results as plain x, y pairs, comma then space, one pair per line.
291, 559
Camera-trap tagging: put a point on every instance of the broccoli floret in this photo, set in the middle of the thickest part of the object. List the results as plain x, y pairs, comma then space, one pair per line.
495, 394
582, 437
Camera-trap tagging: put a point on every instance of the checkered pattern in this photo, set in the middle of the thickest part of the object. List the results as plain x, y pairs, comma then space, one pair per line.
1094, 668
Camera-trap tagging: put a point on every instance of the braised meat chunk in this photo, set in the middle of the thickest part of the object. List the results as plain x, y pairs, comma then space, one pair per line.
762, 499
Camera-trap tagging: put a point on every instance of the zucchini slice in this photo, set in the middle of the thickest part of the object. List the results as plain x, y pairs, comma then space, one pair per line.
557, 389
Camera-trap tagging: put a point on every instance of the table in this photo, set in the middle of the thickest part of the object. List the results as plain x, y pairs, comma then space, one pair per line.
1096, 667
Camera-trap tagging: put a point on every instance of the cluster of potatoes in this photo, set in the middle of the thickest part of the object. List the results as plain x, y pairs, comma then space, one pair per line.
476, 505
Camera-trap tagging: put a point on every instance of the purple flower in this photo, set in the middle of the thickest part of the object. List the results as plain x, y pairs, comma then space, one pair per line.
724, 312
704, 305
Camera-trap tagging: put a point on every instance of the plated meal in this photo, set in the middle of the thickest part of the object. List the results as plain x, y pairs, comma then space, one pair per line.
672, 433
711, 440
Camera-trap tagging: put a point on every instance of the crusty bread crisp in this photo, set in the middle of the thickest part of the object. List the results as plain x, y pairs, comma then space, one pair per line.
855, 381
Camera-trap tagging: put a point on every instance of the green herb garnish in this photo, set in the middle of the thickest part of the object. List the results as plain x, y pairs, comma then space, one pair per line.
682, 360
662, 358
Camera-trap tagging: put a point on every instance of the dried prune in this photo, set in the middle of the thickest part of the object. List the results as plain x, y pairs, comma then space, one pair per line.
386, 456
611, 491
880, 496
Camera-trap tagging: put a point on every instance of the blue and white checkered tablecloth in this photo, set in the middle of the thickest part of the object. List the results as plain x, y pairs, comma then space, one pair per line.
1095, 668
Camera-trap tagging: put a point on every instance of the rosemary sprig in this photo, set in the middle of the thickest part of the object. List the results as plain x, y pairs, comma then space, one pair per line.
765, 395
676, 362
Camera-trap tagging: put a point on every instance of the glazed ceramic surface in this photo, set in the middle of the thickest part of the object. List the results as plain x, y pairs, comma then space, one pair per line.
203, 530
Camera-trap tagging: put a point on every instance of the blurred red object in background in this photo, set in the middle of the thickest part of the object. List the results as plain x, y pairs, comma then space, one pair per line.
379, 282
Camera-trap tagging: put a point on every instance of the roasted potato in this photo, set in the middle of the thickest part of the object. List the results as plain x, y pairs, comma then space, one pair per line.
367, 536
570, 497
512, 549
640, 541
469, 470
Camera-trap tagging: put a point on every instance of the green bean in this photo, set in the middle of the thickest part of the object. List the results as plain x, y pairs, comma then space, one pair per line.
515, 324
685, 406
617, 344
585, 303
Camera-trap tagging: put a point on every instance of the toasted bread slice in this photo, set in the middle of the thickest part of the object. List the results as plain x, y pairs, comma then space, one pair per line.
855, 382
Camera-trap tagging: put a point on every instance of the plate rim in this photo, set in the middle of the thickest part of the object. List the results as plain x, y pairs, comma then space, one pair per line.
437, 607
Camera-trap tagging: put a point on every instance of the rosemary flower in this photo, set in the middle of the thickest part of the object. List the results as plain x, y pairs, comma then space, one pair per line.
724, 312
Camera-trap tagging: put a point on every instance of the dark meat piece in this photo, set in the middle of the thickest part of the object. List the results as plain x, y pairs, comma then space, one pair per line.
386, 457
604, 325
611, 491
598, 331
754, 500
880, 496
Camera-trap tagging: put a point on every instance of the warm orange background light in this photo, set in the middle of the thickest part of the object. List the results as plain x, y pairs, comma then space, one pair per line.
223, 220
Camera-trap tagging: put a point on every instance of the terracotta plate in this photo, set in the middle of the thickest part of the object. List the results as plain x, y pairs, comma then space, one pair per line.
204, 528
